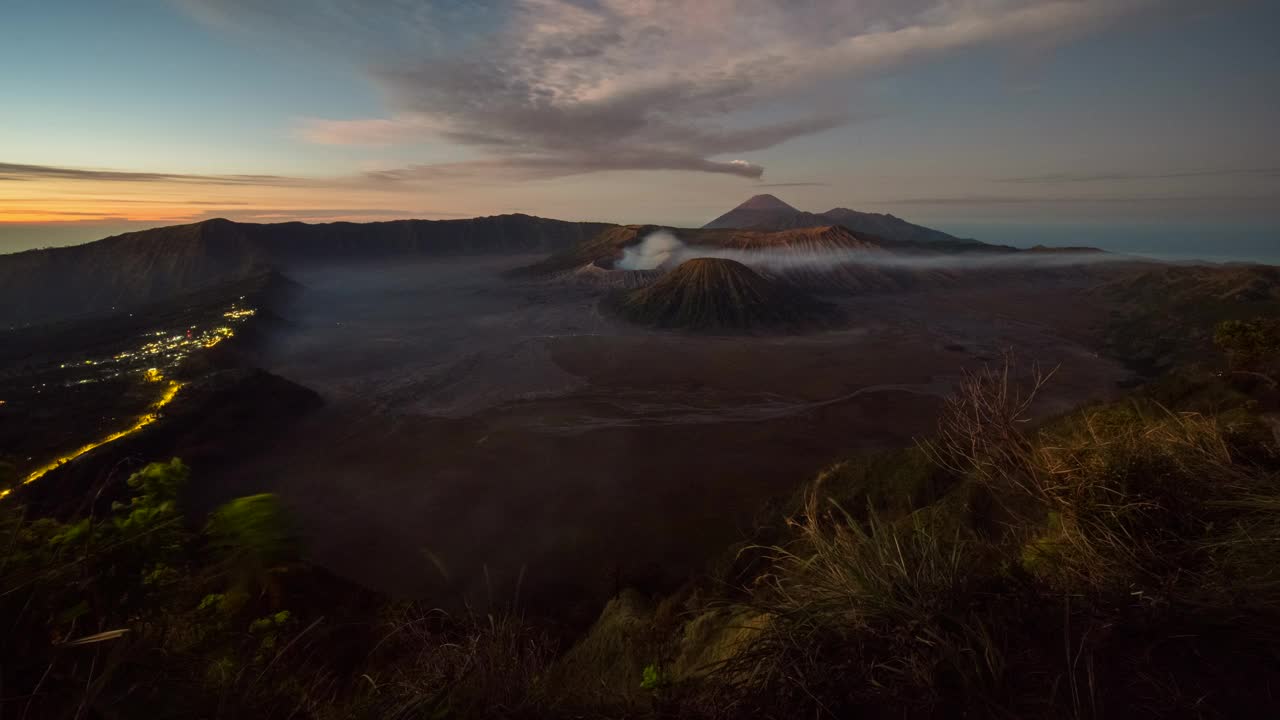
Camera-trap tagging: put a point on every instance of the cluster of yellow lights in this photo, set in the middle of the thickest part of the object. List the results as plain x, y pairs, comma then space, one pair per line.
179, 344
172, 347
217, 335
153, 414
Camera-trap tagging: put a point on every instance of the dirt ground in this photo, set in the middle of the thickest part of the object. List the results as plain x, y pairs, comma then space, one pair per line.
482, 434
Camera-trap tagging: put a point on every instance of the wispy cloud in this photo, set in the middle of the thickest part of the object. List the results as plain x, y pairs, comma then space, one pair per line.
327, 214
793, 184
546, 88
12, 172
1133, 200
135, 201
1055, 178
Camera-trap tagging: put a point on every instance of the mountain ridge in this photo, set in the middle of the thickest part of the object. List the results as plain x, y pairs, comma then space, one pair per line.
767, 212
133, 268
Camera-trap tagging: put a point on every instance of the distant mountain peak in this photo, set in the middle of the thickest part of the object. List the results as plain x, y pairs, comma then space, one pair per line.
766, 212
765, 202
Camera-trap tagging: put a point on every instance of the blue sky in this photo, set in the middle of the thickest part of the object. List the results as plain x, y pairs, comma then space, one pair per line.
998, 113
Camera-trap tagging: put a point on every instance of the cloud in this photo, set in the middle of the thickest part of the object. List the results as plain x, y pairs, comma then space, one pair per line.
135, 201
13, 172
546, 88
544, 166
793, 184
288, 214
1126, 176
1135, 200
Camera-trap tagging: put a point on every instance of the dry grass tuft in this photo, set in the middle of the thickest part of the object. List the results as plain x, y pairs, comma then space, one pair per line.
432, 664
1128, 529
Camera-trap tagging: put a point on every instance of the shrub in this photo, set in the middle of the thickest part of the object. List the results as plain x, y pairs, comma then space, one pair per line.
433, 664
252, 536
867, 613
1128, 530
1251, 346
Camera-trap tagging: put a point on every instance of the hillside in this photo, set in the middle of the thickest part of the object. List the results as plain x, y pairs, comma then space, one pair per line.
717, 295
766, 212
1166, 315
606, 248
150, 265
821, 259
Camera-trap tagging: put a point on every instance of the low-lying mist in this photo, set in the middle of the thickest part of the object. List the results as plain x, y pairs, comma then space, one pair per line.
662, 249
443, 337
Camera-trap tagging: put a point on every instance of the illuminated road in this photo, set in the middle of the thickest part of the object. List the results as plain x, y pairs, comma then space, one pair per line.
153, 414
158, 351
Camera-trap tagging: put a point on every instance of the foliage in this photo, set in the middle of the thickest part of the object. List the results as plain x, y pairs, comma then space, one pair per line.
1251, 346
1125, 531
1168, 315
653, 678
255, 526
434, 664
252, 537
142, 575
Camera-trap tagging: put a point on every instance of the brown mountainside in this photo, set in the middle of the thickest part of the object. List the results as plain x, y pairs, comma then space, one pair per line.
718, 295
126, 270
766, 212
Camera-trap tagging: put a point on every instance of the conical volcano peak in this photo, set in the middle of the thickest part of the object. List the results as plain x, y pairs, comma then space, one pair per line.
765, 202
722, 296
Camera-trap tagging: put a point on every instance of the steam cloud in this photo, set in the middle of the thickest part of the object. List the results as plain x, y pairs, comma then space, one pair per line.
663, 250
657, 249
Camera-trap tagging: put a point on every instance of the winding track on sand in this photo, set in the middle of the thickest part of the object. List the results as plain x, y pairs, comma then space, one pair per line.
666, 413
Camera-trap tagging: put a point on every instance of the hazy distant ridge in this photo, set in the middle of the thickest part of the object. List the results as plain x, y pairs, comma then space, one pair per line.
125, 270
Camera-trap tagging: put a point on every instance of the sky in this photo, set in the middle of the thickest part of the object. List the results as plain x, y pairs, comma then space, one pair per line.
1009, 120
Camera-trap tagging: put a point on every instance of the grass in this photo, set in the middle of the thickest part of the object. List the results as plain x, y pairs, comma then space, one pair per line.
1135, 547
1119, 561
432, 664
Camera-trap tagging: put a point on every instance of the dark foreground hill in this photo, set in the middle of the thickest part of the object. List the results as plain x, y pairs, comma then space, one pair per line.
766, 212
151, 265
718, 295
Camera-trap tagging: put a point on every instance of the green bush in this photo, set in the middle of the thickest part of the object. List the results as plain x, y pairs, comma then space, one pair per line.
252, 537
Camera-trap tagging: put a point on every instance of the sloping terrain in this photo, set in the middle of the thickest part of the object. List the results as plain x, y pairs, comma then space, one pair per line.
766, 212
151, 265
71, 387
823, 259
607, 248
1166, 314
717, 295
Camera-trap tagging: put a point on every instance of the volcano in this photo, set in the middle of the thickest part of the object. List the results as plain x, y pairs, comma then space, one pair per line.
717, 295
766, 212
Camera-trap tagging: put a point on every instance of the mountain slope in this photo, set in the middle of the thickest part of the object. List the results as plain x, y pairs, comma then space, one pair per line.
125, 270
606, 248
889, 226
719, 295
766, 212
